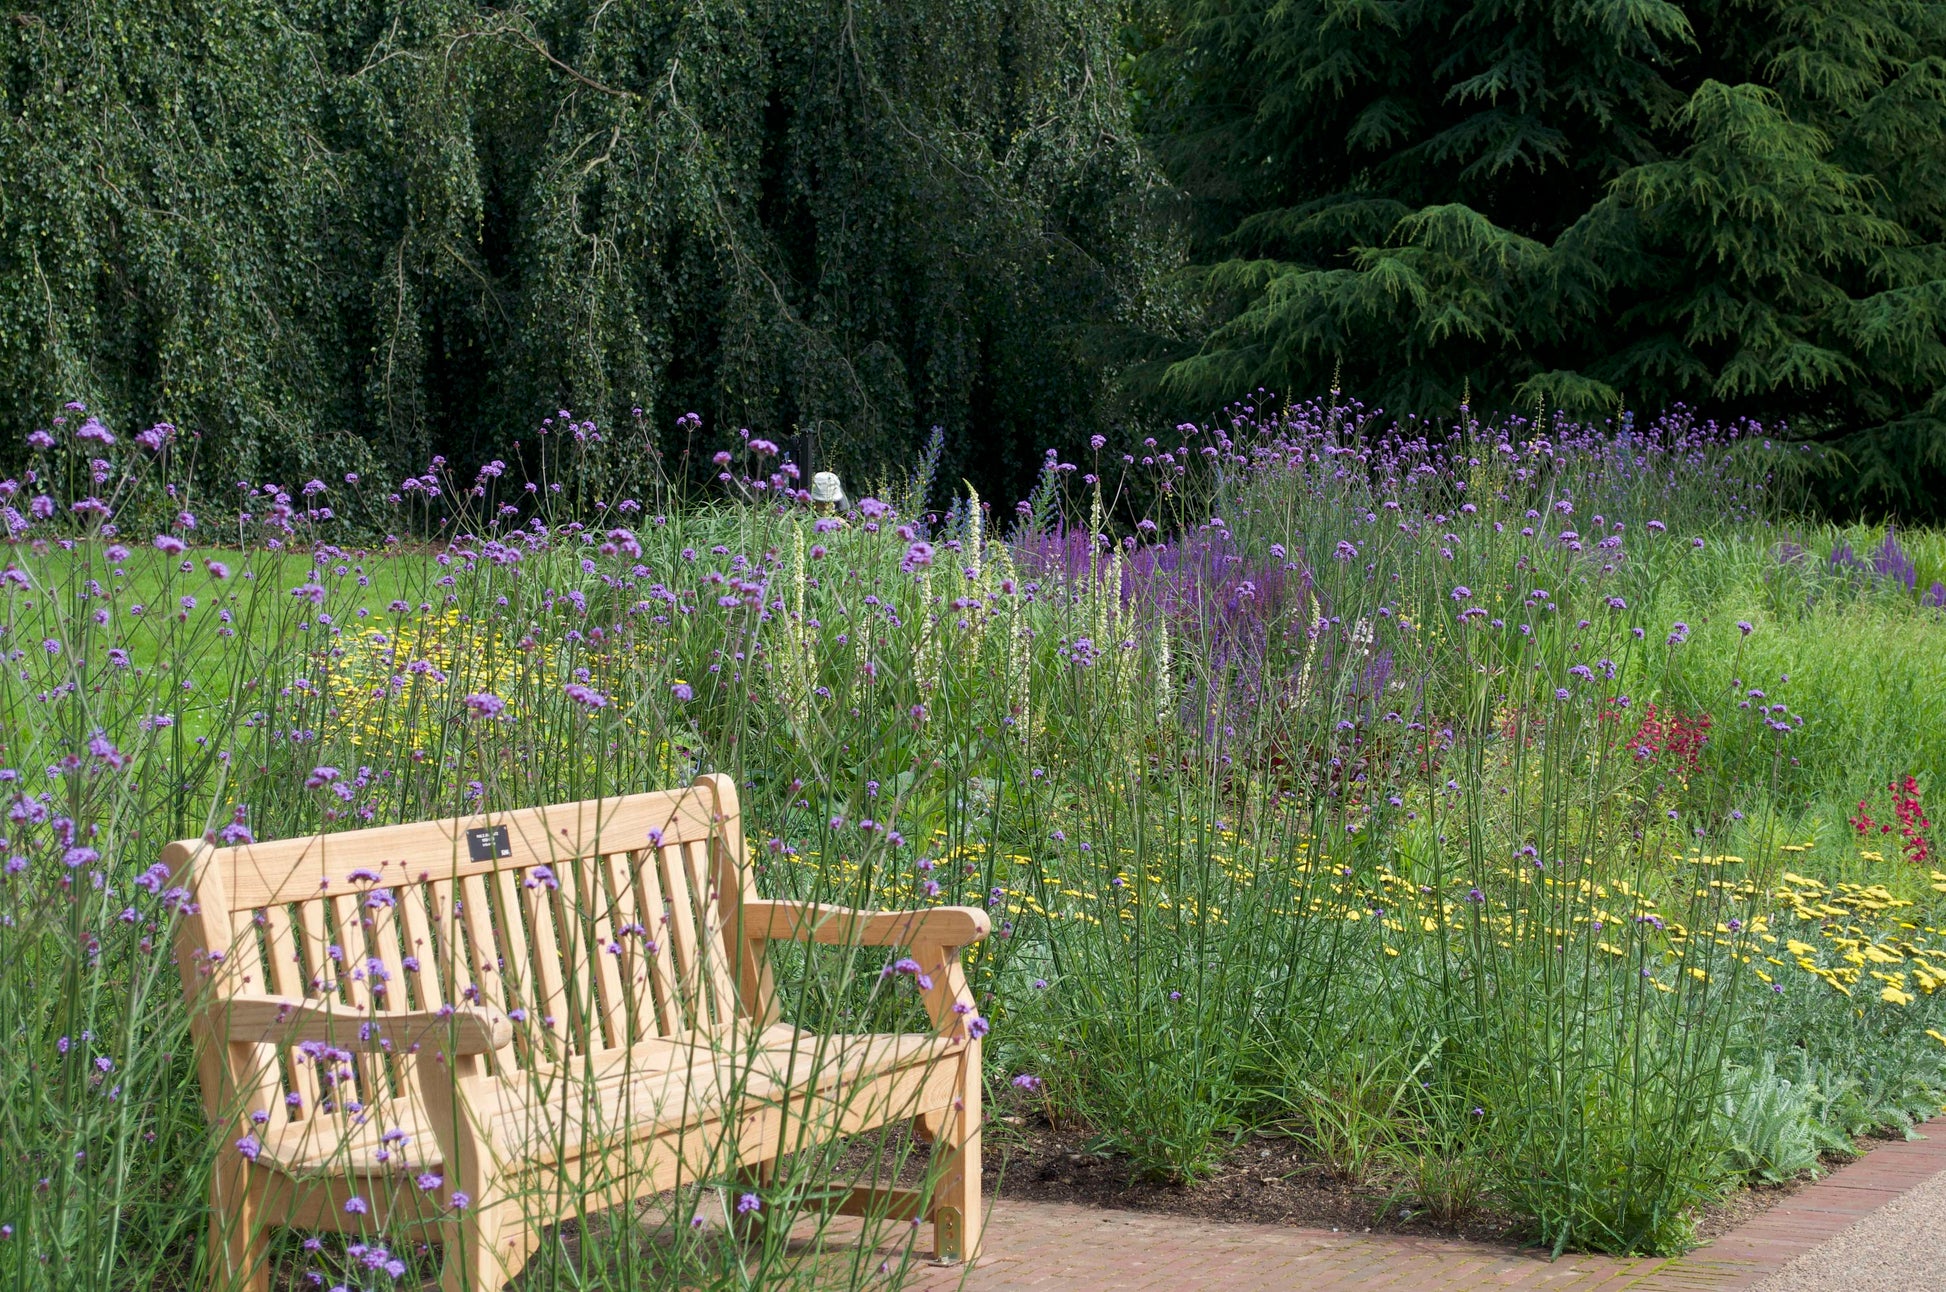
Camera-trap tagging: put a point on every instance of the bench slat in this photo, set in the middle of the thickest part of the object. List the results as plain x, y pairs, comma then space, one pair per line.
382, 934
611, 1006
295, 870
652, 911
444, 960
637, 992
322, 982
551, 1021
372, 1086
475, 958
312, 940
710, 946
506, 952
736, 883
288, 979
571, 915
680, 931
247, 947
419, 946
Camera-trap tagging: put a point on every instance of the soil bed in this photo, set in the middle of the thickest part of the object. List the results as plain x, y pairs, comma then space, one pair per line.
1267, 1181
1271, 1180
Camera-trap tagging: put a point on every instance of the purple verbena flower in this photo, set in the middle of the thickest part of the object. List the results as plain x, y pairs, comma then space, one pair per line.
586, 696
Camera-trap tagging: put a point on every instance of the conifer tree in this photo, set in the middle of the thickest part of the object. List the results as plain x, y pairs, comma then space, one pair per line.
1734, 203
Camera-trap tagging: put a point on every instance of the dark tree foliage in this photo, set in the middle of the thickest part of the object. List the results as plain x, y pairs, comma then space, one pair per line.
344, 234
1741, 205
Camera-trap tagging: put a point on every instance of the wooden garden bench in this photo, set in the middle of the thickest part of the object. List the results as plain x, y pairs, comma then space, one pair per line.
486, 1026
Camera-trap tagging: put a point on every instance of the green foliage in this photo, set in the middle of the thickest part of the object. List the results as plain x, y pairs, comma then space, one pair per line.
1775, 1133
337, 235
1737, 203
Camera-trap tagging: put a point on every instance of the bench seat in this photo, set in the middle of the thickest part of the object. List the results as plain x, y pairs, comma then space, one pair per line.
564, 1110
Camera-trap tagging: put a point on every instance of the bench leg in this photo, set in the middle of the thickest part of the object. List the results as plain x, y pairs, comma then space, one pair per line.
476, 1259
239, 1243
956, 1217
473, 1259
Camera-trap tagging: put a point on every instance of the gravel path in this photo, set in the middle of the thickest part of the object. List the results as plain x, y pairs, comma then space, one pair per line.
1901, 1247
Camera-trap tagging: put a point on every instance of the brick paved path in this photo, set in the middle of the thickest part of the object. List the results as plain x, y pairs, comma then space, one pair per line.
1059, 1248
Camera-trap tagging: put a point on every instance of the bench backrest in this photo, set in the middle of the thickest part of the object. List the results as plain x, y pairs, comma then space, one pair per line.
597, 925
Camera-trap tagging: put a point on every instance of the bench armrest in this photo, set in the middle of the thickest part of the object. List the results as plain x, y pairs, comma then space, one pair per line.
935, 934
942, 926
248, 1017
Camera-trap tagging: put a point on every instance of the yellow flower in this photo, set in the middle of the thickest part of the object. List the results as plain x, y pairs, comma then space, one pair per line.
1893, 996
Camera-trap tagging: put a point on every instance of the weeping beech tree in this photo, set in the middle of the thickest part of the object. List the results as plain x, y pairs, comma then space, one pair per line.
344, 234
1736, 203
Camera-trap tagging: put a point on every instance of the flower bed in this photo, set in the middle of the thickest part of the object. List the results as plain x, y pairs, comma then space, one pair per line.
1472, 806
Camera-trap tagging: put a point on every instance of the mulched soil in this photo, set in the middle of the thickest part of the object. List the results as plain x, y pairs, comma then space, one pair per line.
1266, 1181
1260, 1182
1272, 1180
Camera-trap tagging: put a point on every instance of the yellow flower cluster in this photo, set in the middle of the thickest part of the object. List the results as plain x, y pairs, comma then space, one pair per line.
383, 685
393, 690
1849, 936
1854, 935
